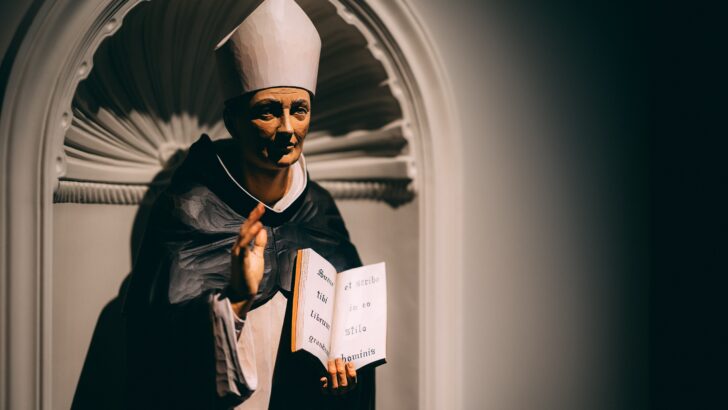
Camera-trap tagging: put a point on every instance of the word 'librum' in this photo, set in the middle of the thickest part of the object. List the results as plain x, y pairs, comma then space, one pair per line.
324, 277
362, 354
319, 319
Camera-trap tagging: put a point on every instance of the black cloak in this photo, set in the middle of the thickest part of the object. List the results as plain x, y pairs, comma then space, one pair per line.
184, 262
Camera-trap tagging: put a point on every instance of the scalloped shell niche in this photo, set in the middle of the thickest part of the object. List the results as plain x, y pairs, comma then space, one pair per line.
152, 91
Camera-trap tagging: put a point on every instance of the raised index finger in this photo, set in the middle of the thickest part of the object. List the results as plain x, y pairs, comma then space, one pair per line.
256, 213
253, 217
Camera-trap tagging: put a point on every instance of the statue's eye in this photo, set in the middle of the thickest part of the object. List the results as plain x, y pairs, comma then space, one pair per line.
266, 111
299, 108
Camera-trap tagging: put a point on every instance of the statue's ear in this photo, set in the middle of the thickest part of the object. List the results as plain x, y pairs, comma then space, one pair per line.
234, 110
231, 120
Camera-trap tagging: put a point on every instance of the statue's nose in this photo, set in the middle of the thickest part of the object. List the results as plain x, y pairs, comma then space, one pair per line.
286, 126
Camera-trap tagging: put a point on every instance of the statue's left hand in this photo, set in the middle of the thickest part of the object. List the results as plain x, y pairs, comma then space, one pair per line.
340, 379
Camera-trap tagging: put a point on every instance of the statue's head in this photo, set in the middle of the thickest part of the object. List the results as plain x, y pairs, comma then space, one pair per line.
270, 125
268, 67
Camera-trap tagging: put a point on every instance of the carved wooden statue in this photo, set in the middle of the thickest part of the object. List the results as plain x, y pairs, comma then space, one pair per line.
209, 296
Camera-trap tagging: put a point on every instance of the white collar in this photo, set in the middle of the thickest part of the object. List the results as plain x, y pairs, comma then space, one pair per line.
299, 181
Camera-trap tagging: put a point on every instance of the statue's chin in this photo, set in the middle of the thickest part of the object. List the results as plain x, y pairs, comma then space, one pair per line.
284, 160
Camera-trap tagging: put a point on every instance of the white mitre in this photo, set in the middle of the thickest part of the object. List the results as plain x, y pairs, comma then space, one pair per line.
277, 45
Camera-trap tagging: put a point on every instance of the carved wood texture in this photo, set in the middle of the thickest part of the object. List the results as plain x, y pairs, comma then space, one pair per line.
153, 91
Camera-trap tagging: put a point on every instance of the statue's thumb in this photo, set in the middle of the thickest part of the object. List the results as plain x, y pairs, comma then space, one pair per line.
261, 239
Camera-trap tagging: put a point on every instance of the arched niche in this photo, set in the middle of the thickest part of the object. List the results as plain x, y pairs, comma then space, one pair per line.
57, 53
152, 90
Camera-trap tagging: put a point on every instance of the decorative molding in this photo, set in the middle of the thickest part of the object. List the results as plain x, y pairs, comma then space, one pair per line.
80, 63
440, 192
79, 192
394, 193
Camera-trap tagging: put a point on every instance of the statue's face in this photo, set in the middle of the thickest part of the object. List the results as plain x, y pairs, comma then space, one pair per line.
273, 126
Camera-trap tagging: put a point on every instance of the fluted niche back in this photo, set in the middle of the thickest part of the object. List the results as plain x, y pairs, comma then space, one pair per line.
153, 91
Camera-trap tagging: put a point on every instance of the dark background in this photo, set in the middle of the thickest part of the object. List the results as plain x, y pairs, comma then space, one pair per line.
688, 206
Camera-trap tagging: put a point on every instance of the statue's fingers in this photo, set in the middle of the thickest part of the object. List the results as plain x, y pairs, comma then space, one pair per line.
243, 228
325, 386
332, 375
350, 371
253, 217
261, 239
241, 246
250, 233
239, 240
341, 373
256, 213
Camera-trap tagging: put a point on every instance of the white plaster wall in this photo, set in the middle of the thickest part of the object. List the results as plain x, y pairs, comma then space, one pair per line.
382, 233
91, 258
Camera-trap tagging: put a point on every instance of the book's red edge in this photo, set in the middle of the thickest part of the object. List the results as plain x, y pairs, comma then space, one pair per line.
297, 279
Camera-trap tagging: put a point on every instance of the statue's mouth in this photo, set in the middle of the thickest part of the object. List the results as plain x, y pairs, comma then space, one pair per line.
281, 145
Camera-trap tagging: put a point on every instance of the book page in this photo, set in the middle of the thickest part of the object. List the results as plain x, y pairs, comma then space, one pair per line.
360, 332
313, 305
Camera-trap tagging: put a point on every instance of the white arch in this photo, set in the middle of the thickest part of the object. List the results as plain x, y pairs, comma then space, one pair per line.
56, 53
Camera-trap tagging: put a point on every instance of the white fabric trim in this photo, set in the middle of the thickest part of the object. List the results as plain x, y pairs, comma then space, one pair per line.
235, 368
299, 181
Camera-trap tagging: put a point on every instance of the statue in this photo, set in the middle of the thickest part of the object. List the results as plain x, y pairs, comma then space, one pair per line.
208, 304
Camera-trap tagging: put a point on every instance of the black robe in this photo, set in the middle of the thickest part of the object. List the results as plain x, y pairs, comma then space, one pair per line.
184, 262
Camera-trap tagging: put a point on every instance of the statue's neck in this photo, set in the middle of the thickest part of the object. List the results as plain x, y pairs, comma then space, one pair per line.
269, 186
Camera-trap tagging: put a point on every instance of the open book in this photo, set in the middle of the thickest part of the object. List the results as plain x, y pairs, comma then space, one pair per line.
339, 315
